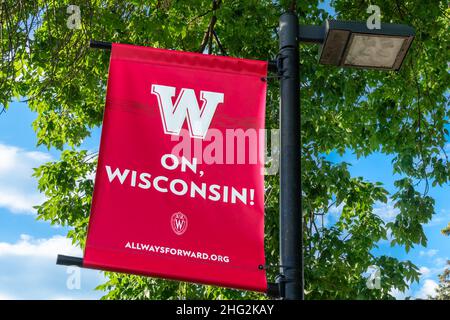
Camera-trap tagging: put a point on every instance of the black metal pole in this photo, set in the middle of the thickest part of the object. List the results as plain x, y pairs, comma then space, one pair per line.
291, 257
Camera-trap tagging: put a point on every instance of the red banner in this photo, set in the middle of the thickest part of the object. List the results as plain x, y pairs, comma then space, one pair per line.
179, 190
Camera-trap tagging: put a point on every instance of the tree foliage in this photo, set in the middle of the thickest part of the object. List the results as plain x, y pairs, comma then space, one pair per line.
402, 114
443, 290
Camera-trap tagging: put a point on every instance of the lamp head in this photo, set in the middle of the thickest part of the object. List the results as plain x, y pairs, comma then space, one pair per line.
352, 44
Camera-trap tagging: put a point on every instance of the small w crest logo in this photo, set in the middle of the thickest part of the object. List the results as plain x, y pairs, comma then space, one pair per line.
179, 223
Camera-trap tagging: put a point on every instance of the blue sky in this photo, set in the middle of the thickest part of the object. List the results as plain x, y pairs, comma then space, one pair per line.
28, 247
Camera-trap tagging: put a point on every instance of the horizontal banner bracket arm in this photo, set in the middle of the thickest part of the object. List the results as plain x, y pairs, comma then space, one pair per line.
104, 45
69, 261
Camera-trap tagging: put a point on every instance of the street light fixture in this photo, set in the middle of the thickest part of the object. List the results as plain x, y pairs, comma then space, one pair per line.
352, 44
345, 44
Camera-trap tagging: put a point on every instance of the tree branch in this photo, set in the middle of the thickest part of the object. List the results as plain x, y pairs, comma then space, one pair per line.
222, 49
208, 32
207, 38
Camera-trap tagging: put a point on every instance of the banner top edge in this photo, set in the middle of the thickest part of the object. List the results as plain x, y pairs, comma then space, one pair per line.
189, 59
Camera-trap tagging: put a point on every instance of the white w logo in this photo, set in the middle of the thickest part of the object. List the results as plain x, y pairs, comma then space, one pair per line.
186, 106
179, 224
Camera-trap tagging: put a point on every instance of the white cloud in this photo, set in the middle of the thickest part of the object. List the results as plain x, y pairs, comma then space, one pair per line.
433, 271
18, 202
27, 246
5, 296
400, 295
427, 290
424, 271
429, 253
28, 270
386, 211
7, 155
441, 218
12, 158
38, 156
18, 192
440, 262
